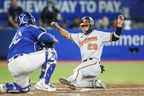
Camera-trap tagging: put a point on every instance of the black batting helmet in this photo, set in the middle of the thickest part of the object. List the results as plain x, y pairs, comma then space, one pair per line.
88, 21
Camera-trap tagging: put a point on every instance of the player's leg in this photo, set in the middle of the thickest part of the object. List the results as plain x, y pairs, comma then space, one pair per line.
77, 79
30, 62
43, 83
21, 84
90, 78
90, 74
48, 67
72, 79
77, 74
47, 70
86, 75
22, 66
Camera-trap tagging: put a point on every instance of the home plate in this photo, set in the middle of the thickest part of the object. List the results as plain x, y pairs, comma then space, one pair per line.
90, 89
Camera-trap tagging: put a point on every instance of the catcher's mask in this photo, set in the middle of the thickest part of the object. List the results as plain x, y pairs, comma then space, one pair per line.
25, 18
87, 22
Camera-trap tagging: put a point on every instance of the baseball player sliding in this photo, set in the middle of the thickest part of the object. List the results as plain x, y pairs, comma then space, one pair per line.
91, 42
26, 55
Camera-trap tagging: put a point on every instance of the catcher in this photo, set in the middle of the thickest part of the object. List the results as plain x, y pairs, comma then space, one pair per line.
91, 42
26, 55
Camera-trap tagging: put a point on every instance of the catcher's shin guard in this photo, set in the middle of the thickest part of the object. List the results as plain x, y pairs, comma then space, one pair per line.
14, 88
49, 73
48, 67
43, 69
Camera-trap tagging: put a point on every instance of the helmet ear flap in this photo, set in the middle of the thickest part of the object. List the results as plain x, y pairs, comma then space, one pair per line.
92, 22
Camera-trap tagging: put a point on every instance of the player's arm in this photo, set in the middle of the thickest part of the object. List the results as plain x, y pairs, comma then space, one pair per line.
119, 25
62, 31
43, 36
46, 37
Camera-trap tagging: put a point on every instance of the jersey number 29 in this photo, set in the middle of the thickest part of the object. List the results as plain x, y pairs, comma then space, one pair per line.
92, 46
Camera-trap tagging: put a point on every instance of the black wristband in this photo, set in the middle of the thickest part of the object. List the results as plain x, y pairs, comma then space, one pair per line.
118, 31
116, 34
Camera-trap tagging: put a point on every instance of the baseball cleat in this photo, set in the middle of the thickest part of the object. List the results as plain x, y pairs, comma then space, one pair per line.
68, 83
44, 87
100, 84
2, 89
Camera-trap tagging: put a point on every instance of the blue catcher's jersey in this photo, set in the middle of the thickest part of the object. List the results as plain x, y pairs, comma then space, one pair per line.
25, 40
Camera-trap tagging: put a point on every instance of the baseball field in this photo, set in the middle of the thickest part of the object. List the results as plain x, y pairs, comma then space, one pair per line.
123, 78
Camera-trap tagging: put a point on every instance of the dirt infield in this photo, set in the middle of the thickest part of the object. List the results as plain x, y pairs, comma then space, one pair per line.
123, 91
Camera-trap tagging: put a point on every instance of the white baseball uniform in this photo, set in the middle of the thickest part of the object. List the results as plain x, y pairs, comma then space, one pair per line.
22, 66
91, 47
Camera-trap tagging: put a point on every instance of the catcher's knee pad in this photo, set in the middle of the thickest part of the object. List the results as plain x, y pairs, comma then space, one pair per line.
15, 88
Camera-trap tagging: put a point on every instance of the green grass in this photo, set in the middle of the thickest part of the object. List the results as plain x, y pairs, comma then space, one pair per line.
124, 73
4, 75
114, 74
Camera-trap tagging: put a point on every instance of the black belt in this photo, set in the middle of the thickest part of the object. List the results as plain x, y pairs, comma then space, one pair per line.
85, 60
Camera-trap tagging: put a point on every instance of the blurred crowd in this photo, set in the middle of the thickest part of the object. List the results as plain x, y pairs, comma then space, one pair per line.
51, 13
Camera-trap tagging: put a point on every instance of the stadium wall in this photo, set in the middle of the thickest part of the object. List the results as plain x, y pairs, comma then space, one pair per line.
129, 47
70, 9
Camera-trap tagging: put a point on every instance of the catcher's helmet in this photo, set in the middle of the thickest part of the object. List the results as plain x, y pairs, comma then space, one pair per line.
87, 21
25, 18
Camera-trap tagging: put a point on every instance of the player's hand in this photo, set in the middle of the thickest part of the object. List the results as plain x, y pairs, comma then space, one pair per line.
54, 24
55, 40
120, 21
